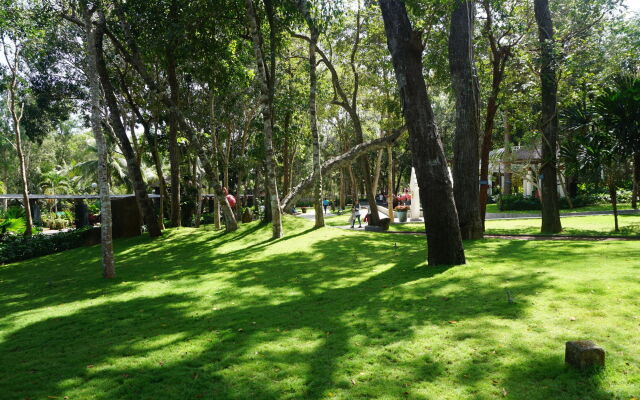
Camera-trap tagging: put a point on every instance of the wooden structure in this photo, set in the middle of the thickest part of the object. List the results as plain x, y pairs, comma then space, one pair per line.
126, 217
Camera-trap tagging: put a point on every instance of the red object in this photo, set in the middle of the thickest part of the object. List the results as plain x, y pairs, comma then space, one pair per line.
231, 200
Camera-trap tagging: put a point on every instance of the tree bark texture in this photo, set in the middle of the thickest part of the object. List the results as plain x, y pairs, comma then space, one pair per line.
266, 91
465, 87
174, 148
444, 242
108, 264
636, 180
313, 122
549, 91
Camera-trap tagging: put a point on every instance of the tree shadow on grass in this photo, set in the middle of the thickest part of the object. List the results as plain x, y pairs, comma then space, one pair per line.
176, 346
299, 325
536, 376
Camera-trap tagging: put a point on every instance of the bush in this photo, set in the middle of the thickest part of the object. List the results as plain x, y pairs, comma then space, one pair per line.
16, 248
518, 202
13, 220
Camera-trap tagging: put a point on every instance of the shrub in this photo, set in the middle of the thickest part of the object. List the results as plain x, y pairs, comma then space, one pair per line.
13, 220
518, 202
16, 248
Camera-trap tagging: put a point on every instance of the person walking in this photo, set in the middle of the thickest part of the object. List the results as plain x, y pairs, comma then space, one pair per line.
355, 214
325, 204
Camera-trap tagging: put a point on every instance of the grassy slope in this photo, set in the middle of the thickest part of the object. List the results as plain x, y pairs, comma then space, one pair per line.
588, 226
320, 314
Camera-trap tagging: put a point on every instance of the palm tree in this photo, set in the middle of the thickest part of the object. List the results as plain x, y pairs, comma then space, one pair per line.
56, 181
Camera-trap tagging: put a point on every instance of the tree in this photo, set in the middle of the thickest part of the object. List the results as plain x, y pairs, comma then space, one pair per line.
549, 91
501, 50
465, 88
91, 71
266, 74
314, 32
444, 242
12, 45
133, 165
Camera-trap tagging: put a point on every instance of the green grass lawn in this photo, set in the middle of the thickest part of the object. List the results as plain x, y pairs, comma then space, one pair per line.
493, 208
319, 314
588, 226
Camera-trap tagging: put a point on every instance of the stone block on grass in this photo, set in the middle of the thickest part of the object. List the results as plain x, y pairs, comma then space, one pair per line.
584, 354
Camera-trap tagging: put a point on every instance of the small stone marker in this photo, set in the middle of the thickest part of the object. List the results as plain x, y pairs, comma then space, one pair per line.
584, 354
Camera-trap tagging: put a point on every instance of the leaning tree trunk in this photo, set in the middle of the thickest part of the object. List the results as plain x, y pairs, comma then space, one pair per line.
108, 265
267, 115
436, 193
549, 90
313, 122
135, 174
465, 148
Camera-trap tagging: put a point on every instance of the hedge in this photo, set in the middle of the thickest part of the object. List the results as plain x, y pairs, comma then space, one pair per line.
18, 247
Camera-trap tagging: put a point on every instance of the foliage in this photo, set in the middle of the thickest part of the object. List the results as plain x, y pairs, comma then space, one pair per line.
17, 247
518, 201
12, 220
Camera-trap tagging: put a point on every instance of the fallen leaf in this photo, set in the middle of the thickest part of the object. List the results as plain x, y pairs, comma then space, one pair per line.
453, 322
504, 392
572, 318
90, 366
353, 381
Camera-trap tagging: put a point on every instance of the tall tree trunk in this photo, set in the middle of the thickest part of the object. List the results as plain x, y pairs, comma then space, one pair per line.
390, 182
135, 174
216, 213
266, 97
614, 202
549, 91
174, 148
636, 180
286, 165
313, 123
211, 169
198, 194
506, 189
436, 192
500, 54
465, 147
343, 194
152, 139
108, 265
16, 116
